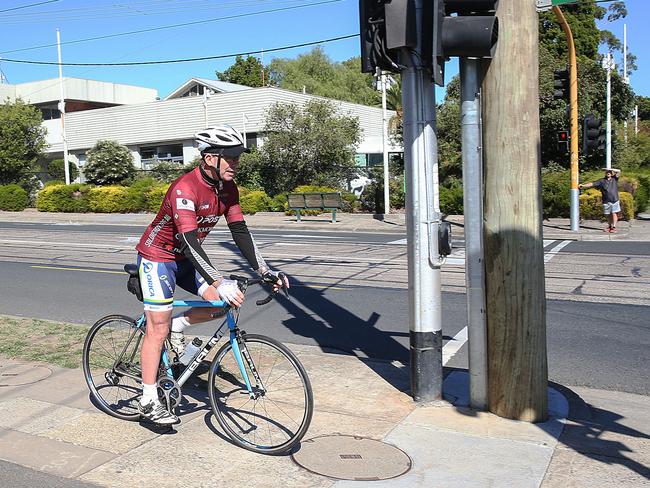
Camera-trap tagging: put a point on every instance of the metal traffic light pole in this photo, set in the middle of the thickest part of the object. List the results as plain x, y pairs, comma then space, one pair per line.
470, 75
423, 219
573, 104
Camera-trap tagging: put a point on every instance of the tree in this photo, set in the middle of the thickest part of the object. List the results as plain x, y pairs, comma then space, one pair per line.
109, 163
592, 77
56, 170
248, 71
316, 74
310, 144
22, 141
644, 107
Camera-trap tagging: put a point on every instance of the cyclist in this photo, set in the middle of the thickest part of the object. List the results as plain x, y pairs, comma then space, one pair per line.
170, 254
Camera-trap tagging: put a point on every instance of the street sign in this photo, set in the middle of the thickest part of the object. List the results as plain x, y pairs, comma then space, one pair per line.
544, 5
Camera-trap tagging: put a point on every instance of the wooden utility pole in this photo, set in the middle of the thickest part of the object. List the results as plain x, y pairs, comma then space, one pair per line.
514, 260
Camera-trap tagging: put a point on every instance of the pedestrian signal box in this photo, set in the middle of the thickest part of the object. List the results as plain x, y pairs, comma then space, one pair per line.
563, 141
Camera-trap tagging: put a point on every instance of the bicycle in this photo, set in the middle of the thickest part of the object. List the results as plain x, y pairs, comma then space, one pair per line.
250, 377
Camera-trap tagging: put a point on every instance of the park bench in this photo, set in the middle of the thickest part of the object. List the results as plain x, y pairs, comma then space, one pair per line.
315, 201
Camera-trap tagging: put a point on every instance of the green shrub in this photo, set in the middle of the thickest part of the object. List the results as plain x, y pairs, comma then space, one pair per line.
351, 203
167, 171
13, 198
556, 194
56, 170
138, 193
451, 200
109, 163
280, 203
591, 205
154, 198
255, 201
642, 197
63, 198
111, 199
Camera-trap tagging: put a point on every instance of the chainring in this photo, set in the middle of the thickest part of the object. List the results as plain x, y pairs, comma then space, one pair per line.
169, 393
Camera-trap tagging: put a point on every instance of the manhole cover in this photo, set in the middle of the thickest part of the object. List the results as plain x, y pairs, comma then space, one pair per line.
352, 458
22, 374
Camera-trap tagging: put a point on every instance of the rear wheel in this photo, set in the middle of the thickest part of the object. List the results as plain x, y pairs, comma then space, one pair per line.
276, 416
111, 365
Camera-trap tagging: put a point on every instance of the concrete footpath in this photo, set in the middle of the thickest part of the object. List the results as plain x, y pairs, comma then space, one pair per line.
593, 438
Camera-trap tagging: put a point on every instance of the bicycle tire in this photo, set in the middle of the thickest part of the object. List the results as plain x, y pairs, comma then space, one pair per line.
118, 397
225, 381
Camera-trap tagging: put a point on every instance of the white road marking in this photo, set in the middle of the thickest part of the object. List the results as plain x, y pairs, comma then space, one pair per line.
450, 349
551, 254
400, 242
310, 236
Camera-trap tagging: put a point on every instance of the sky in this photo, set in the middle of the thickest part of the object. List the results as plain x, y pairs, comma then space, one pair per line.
219, 27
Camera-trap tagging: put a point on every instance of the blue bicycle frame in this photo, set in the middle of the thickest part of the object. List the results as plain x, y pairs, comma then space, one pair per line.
219, 333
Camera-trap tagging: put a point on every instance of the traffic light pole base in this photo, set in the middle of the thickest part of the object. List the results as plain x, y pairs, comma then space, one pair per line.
426, 367
575, 209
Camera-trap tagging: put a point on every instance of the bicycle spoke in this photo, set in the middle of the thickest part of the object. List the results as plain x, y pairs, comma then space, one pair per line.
111, 366
279, 414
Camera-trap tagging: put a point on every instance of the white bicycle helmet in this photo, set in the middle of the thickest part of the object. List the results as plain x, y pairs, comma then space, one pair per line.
222, 139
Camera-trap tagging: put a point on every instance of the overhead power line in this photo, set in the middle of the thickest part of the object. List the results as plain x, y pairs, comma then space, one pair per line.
153, 29
185, 60
28, 6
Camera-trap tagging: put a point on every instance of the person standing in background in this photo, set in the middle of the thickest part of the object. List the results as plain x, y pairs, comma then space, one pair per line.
608, 187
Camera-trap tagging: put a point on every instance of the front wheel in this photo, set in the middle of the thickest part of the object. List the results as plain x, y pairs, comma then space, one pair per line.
275, 416
111, 365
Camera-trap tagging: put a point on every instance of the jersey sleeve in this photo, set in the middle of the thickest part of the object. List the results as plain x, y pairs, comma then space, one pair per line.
234, 212
183, 203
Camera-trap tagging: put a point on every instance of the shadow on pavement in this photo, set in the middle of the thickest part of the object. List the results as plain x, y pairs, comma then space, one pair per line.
587, 428
328, 322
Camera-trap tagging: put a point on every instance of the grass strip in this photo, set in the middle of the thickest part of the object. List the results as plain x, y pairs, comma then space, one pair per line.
42, 340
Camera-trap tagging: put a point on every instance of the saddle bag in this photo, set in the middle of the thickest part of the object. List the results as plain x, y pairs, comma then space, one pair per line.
133, 285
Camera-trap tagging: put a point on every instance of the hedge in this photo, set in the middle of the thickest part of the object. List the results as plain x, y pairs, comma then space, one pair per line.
111, 199
255, 201
591, 205
451, 200
63, 198
154, 198
13, 198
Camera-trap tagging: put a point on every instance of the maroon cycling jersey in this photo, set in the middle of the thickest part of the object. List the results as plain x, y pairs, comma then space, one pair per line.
189, 204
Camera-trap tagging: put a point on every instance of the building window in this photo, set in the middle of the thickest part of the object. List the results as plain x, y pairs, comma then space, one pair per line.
196, 90
50, 113
251, 140
152, 155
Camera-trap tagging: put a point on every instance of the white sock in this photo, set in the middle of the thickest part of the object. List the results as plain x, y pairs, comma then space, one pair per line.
149, 393
179, 323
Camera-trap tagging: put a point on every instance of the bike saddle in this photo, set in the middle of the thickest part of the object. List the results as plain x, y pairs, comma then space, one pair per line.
132, 269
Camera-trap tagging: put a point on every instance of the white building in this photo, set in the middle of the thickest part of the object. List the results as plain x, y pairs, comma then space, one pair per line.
80, 94
156, 130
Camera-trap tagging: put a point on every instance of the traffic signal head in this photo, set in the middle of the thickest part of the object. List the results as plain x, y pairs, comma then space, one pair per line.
463, 28
563, 141
593, 134
386, 26
561, 84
